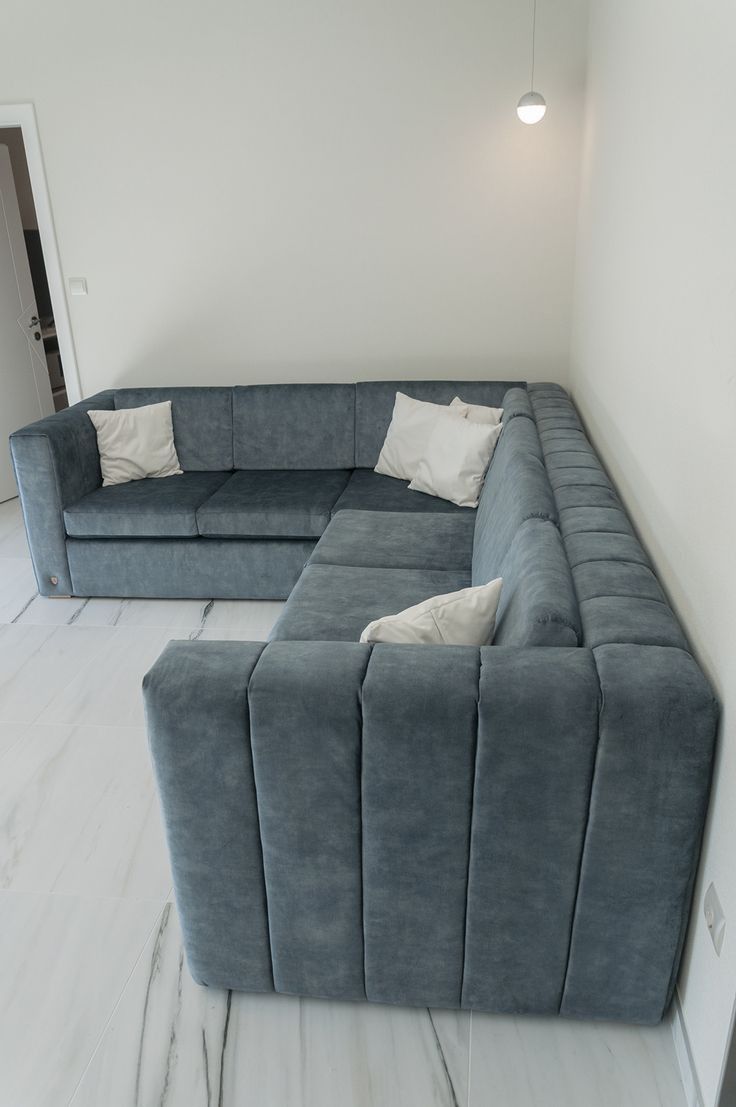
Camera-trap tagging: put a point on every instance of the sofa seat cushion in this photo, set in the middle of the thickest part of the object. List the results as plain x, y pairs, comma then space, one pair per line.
396, 540
163, 507
266, 503
369, 491
334, 603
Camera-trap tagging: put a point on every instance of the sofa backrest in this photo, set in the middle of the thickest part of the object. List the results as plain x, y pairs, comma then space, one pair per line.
516, 488
516, 537
294, 426
538, 605
374, 404
202, 418
620, 598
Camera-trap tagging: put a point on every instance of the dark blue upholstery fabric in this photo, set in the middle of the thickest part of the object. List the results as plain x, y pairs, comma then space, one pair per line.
306, 759
334, 603
581, 496
187, 568
294, 426
599, 539
56, 462
590, 546
419, 706
205, 781
596, 579
600, 520
397, 540
516, 488
516, 402
374, 405
629, 619
153, 507
538, 606
369, 491
202, 419
272, 502
657, 729
537, 733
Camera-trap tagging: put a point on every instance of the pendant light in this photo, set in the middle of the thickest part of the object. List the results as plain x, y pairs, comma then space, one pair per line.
532, 106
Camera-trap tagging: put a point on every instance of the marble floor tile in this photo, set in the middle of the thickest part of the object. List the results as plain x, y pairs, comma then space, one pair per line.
12, 531
64, 962
48, 611
173, 1042
250, 620
79, 814
535, 1062
109, 693
17, 587
10, 734
37, 664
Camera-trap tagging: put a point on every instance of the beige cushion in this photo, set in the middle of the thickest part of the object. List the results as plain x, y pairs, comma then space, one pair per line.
455, 460
478, 413
464, 618
411, 425
136, 442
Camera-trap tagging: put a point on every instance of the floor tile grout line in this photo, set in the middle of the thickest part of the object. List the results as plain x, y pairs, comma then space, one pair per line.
116, 1005
88, 897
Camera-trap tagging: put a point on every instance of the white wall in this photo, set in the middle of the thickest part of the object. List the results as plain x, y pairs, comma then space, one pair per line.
273, 189
654, 370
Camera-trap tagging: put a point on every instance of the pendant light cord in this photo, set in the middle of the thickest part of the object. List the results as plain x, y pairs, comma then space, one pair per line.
534, 36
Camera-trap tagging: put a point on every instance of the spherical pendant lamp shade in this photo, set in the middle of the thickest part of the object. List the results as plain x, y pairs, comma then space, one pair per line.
531, 107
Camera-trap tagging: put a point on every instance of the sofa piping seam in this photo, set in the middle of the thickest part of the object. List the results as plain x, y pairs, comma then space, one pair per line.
584, 836
471, 815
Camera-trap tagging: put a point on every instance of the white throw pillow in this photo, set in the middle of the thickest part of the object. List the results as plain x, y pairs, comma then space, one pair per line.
478, 413
464, 618
455, 461
136, 442
408, 433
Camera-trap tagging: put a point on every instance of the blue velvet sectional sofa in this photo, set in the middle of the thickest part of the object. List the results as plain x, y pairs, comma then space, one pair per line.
514, 828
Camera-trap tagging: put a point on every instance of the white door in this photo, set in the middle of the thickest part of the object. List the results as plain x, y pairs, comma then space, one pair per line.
25, 391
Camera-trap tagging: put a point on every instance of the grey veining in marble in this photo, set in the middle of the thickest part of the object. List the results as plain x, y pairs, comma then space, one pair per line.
171, 1042
63, 963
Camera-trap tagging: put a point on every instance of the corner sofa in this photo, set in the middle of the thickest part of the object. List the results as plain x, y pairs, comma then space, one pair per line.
512, 828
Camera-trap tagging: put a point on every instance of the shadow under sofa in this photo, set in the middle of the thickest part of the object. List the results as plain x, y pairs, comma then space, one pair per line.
514, 828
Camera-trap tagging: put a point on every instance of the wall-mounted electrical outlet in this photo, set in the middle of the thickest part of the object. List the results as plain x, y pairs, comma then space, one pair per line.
715, 920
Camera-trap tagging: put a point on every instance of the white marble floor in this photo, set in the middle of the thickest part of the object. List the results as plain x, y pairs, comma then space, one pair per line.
96, 1005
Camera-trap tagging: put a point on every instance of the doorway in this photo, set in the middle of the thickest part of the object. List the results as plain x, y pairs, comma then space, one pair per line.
41, 325
38, 368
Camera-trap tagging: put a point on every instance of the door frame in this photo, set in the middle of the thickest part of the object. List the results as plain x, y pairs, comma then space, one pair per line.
24, 116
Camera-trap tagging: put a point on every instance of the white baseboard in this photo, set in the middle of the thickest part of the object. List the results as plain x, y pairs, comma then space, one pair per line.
688, 1074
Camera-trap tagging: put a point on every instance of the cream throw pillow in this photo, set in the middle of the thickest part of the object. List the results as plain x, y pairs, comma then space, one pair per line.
464, 618
455, 460
136, 442
408, 433
478, 413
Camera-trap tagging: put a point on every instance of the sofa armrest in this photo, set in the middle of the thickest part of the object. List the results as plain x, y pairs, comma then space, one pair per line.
434, 825
648, 805
56, 462
391, 817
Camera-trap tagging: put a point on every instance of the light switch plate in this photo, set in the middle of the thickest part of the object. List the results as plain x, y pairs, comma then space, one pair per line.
715, 920
78, 286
